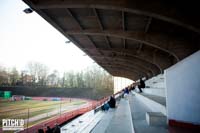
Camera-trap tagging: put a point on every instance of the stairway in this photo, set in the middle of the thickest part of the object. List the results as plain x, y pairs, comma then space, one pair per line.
139, 111
154, 95
149, 108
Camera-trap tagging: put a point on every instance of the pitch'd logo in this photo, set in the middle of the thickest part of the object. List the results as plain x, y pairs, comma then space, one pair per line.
12, 124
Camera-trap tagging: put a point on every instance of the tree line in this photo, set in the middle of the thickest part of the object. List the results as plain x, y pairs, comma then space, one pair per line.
37, 74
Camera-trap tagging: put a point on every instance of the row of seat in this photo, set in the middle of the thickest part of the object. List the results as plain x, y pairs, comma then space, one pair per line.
83, 123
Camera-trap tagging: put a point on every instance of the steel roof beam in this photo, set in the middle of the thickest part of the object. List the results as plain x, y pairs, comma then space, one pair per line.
157, 41
152, 9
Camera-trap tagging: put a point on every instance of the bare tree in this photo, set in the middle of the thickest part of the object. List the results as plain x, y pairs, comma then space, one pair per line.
71, 79
4, 76
14, 76
42, 74
32, 68
38, 71
53, 79
80, 80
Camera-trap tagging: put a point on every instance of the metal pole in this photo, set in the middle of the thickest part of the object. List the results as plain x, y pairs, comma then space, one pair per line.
27, 121
121, 83
60, 107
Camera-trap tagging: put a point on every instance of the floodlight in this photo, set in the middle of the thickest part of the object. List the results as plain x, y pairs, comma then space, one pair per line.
28, 10
67, 41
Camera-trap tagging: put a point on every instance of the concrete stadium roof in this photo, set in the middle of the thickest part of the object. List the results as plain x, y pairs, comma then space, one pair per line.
128, 38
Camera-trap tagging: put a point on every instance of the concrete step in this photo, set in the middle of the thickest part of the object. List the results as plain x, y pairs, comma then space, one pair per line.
138, 111
157, 81
91, 123
104, 122
85, 122
156, 119
155, 91
156, 84
155, 103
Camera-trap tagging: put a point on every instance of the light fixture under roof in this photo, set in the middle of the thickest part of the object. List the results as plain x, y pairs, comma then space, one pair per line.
67, 41
28, 10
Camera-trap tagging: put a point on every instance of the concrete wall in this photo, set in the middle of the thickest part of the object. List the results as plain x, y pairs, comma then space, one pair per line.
183, 90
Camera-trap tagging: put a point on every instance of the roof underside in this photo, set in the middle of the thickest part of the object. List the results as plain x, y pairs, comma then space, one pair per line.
128, 38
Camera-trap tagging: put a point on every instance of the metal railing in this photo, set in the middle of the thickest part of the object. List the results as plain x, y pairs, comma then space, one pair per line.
61, 118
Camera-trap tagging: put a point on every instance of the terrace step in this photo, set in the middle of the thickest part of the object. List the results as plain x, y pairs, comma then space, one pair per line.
156, 119
138, 111
104, 122
156, 79
155, 103
83, 123
155, 91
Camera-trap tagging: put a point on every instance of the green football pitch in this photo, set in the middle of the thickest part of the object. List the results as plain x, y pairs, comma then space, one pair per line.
36, 111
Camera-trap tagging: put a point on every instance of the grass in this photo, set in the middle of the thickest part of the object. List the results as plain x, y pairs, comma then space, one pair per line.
79, 103
19, 109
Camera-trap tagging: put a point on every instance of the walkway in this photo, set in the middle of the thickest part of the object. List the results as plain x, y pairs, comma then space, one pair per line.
116, 120
121, 122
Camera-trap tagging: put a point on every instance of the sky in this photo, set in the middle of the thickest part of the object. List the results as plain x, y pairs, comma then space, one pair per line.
28, 37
